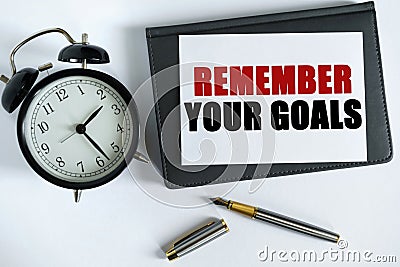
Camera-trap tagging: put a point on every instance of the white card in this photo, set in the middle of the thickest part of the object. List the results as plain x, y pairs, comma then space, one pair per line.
312, 84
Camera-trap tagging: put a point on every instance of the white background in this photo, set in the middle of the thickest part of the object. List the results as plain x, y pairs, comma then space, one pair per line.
118, 224
311, 145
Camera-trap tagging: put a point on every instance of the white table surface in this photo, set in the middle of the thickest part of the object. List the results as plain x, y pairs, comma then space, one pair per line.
119, 224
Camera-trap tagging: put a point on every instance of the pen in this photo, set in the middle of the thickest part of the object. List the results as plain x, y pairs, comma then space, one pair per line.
197, 238
277, 219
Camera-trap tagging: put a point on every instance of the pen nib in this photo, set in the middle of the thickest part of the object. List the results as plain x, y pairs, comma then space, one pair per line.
220, 201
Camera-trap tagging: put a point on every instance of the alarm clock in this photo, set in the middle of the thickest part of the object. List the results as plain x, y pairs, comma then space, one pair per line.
77, 128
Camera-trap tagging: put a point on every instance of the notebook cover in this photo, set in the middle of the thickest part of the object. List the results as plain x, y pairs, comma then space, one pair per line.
163, 48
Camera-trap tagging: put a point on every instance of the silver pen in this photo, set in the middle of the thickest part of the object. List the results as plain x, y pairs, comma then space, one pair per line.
197, 238
277, 219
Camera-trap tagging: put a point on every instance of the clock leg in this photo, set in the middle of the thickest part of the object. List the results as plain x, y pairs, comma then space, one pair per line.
77, 195
140, 157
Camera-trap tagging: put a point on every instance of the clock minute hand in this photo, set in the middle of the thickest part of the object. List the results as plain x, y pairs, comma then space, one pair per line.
91, 117
96, 145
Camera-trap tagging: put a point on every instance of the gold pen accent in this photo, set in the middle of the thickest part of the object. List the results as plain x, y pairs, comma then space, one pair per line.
242, 208
277, 219
171, 254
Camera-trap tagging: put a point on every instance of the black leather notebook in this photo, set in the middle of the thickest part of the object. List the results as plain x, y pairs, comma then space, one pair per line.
163, 48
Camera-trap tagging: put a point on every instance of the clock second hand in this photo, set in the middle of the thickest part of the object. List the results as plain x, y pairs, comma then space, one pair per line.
66, 138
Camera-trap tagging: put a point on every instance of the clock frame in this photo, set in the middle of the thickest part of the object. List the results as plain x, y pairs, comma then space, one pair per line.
112, 82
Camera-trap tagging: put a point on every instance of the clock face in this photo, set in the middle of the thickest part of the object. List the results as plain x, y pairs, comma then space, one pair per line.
78, 130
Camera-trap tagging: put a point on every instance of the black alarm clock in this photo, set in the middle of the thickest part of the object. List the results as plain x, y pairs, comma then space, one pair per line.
77, 128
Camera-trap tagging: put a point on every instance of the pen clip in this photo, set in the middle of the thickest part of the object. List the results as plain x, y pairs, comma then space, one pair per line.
197, 238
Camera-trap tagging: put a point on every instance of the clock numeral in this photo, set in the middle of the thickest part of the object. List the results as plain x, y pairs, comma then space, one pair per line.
120, 128
101, 94
48, 108
62, 94
45, 148
116, 109
100, 162
81, 164
80, 90
43, 126
60, 162
115, 147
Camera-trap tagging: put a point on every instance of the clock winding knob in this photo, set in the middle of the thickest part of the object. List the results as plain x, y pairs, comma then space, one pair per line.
4, 79
45, 66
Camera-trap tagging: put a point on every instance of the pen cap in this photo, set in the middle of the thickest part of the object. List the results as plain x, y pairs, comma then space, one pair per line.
197, 238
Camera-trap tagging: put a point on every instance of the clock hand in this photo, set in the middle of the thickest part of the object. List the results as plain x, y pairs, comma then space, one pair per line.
66, 138
91, 117
95, 145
